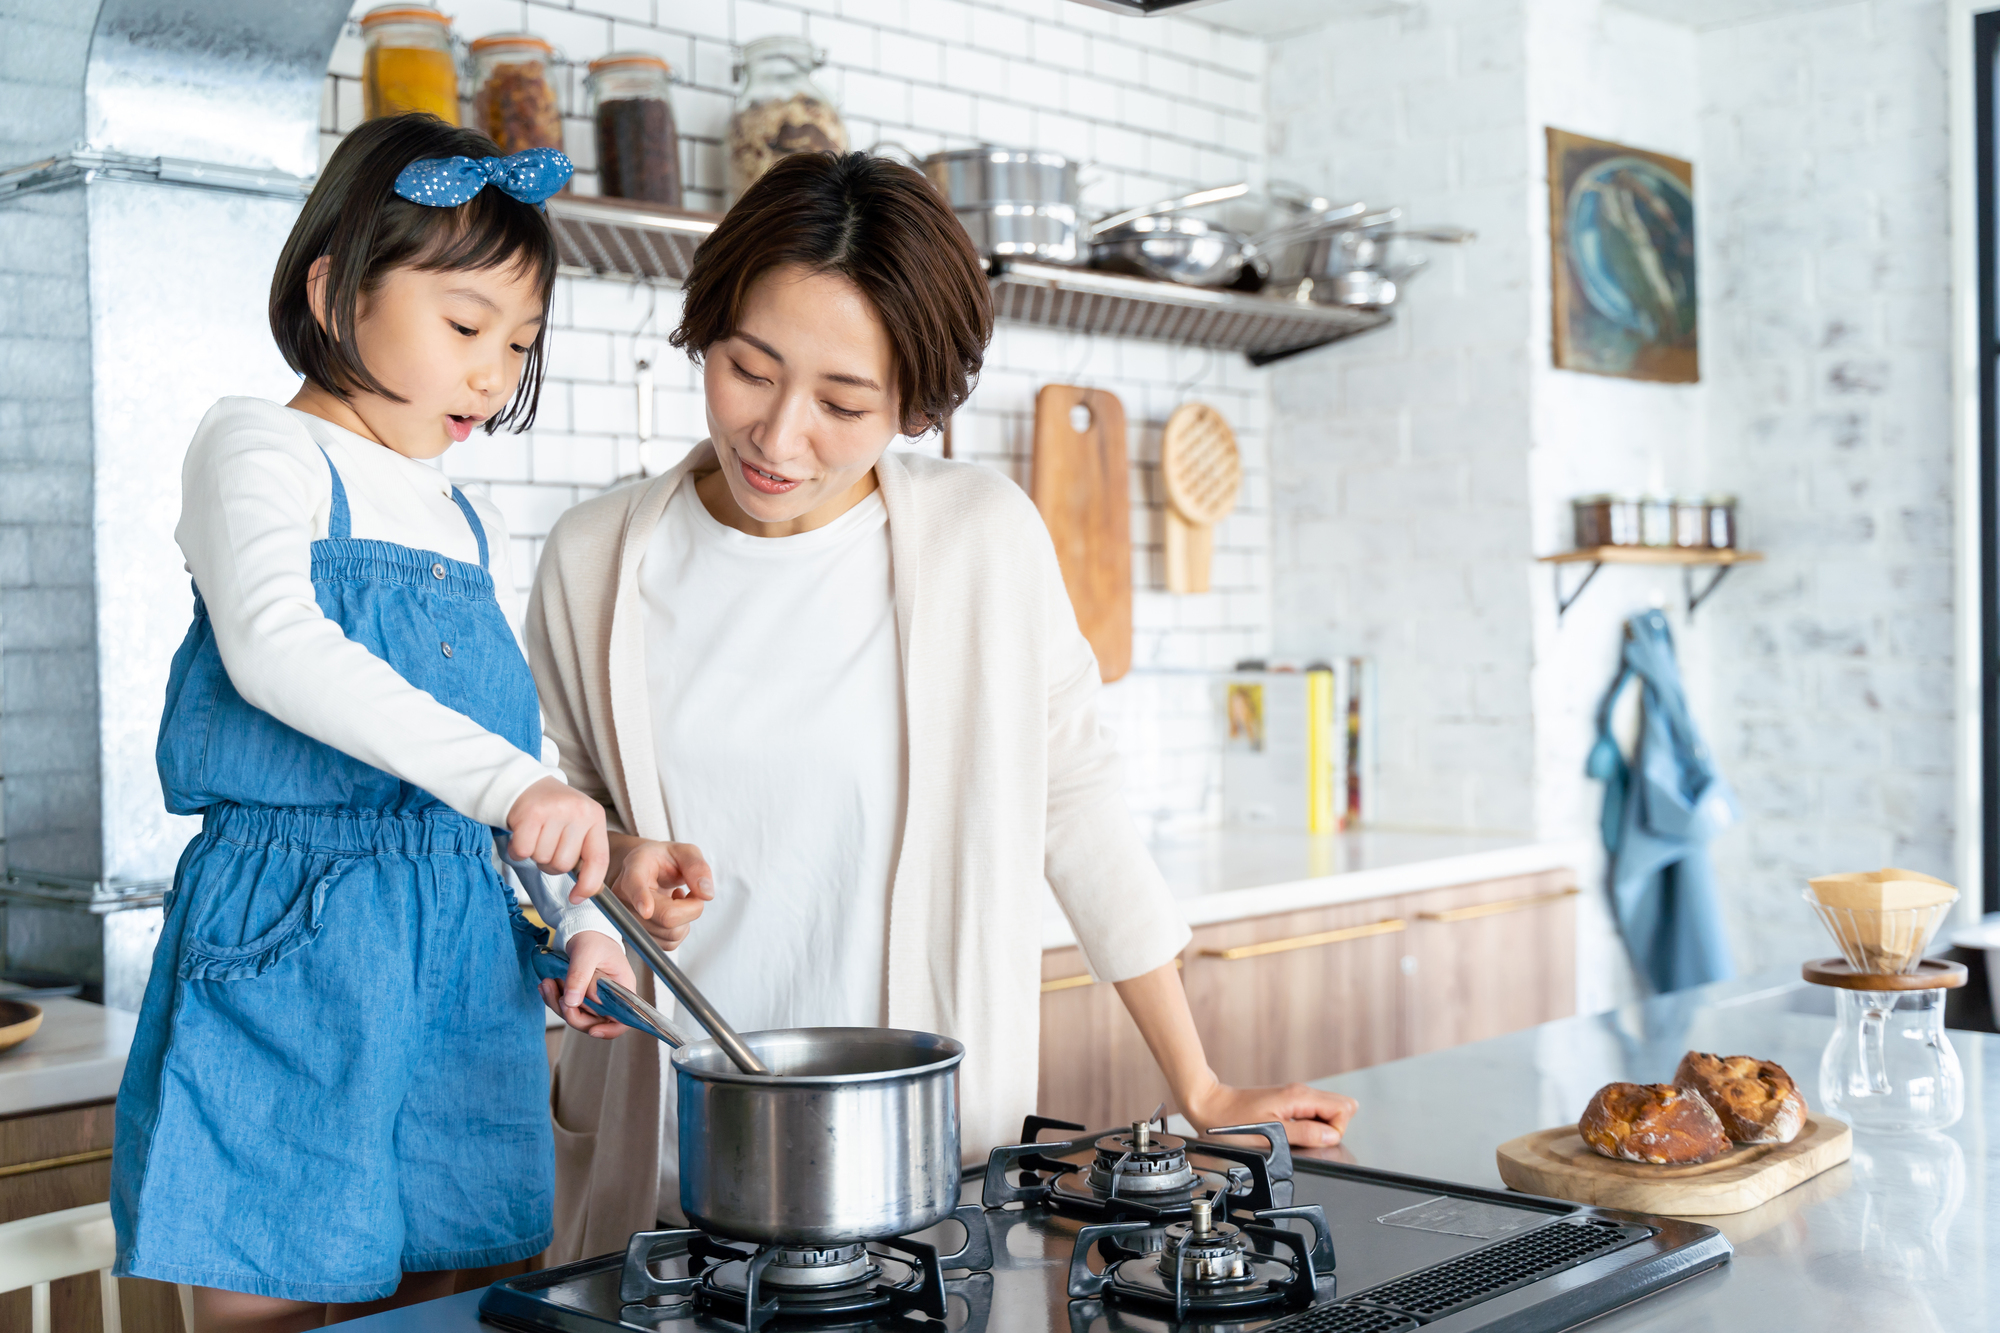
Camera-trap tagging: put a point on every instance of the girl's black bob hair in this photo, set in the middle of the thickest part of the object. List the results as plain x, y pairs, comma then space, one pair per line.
355, 218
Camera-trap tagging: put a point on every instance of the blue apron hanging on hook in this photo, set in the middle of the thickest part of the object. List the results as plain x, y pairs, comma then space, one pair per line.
1657, 824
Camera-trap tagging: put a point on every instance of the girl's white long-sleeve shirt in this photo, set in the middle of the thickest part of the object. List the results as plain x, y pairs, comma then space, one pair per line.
255, 494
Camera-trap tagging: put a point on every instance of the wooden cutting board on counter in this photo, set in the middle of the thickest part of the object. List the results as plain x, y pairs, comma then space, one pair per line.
1081, 484
1559, 1164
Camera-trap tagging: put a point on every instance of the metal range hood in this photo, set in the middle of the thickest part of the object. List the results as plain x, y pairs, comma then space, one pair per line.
1145, 8
149, 192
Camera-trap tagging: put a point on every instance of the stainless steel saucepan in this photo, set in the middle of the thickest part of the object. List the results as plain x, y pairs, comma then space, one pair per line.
806, 1136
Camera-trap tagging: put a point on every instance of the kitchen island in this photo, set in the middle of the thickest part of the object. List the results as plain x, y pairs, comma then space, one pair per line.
1898, 1238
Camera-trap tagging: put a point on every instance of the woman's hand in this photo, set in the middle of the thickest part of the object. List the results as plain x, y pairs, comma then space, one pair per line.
666, 884
1312, 1119
592, 954
560, 829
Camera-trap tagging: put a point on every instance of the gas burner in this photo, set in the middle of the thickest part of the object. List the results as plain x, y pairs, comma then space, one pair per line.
1207, 1266
857, 1282
1137, 1174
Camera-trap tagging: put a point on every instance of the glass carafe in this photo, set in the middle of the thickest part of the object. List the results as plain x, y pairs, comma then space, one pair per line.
1889, 1065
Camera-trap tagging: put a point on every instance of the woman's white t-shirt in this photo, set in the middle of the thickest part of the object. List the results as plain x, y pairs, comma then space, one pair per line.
776, 684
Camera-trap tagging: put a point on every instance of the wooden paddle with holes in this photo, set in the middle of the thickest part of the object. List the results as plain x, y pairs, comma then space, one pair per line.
1203, 474
1081, 484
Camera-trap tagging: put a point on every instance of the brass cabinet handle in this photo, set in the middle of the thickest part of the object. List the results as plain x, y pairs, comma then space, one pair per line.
52, 1163
1388, 927
1499, 908
1082, 979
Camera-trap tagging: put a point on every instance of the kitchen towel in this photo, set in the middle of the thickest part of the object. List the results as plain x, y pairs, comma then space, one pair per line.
1660, 811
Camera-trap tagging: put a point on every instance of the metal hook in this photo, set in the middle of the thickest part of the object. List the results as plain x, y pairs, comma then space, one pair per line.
1182, 389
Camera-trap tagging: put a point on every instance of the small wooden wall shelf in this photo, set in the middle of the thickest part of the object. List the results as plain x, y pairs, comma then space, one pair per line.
1687, 557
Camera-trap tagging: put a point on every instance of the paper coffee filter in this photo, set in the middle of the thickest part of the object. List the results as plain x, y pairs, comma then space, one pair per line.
1883, 920
1882, 890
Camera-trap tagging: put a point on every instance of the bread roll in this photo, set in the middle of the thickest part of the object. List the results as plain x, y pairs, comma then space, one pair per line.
1657, 1123
1756, 1100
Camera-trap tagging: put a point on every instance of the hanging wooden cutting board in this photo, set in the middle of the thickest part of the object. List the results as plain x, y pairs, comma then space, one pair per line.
1080, 482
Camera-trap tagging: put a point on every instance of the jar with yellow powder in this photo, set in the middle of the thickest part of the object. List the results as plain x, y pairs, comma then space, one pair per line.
407, 63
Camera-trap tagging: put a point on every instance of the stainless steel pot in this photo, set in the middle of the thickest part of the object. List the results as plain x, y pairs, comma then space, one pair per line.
853, 1135
1011, 202
802, 1136
1175, 248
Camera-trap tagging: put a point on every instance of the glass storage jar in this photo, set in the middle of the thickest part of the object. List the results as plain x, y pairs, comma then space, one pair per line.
1656, 521
780, 110
514, 98
1605, 520
407, 64
1721, 521
638, 149
1690, 522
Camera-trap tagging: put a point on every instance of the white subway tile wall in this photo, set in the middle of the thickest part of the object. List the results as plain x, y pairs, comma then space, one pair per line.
1826, 355
1155, 107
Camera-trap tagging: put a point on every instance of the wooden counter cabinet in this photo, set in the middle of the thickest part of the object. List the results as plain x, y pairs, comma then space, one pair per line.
1304, 995
61, 1158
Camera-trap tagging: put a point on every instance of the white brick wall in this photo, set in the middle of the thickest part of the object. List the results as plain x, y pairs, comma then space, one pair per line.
1422, 468
1403, 517
1155, 106
1824, 148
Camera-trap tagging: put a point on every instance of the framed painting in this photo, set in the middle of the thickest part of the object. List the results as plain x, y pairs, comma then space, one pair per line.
1621, 232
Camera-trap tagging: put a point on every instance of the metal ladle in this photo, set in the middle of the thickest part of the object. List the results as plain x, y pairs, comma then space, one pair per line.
656, 958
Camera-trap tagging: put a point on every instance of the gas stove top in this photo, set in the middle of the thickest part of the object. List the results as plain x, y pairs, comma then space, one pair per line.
1256, 1243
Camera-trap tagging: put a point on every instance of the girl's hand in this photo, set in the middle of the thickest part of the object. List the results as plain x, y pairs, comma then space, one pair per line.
1312, 1119
560, 829
666, 884
591, 955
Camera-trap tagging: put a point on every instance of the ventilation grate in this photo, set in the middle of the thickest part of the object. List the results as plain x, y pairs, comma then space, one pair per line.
1442, 1288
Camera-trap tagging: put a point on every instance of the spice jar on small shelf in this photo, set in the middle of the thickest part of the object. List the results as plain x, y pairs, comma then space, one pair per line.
407, 64
780, 110
638, 148
514, 93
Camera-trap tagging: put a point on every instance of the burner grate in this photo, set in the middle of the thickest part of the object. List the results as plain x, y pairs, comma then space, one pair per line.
1482, 1274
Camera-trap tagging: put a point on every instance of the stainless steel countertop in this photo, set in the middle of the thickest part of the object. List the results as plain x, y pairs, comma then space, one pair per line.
1906, 1236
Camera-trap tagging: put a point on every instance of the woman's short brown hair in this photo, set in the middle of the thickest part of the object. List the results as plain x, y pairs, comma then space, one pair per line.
881, 226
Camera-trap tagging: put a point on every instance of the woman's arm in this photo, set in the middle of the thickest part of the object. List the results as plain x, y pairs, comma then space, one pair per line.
1158, 1004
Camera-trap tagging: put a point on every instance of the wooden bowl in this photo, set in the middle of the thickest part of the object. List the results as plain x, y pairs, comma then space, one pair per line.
18, 1021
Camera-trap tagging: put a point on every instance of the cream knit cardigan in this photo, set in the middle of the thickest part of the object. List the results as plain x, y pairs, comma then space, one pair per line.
1011, 782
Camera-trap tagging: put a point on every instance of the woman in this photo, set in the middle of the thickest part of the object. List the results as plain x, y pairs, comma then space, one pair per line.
853, 679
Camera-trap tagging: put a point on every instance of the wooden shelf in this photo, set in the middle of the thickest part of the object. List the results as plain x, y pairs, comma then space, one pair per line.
1687, 557
1652, 555
598, 237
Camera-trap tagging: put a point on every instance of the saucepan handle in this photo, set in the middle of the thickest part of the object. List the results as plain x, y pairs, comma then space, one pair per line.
613, 1001
647, 948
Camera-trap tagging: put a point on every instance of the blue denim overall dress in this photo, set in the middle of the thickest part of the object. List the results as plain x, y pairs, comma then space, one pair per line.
339, 1073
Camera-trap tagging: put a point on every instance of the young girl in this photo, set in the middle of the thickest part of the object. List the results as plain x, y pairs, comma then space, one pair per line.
339, 1074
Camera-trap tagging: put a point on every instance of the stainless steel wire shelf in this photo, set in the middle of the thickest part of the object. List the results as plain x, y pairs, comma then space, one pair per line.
612, 238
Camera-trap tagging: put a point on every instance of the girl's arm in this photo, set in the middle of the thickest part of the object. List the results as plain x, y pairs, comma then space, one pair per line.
1158, 1004
252, 487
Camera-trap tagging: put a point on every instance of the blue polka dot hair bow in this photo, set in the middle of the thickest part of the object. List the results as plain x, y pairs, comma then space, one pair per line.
446, 182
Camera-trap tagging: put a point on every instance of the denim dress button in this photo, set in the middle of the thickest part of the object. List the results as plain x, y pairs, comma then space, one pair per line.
437, 571
447, 649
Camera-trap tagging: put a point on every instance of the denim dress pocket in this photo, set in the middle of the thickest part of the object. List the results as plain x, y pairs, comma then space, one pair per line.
273, 905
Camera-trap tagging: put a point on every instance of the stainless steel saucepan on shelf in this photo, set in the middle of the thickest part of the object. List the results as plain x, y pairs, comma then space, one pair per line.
799, 1136
1353, 265
1013, 202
